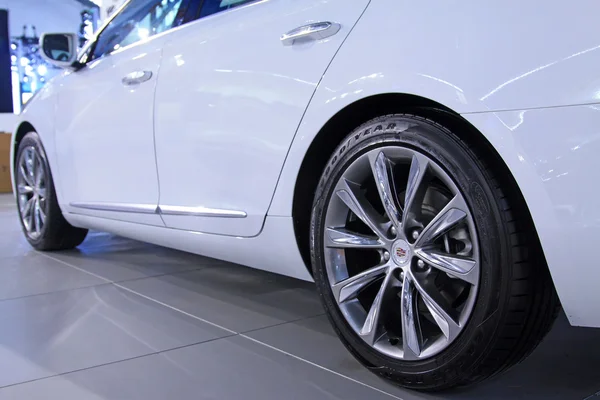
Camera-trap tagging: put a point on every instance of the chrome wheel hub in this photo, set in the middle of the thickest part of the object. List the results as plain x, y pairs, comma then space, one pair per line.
401, 253
31, 191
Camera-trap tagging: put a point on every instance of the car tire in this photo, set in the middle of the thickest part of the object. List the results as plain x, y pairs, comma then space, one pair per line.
510, 297
41, 218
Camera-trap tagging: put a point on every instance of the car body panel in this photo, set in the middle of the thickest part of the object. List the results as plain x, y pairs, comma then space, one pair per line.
553, 155
40, 112
472, 68
233, 64
525, 79
274, 250
469, 68
103, 163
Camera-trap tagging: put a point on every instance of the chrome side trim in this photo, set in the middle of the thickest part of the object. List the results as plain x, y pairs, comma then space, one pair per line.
118, 207
200, 212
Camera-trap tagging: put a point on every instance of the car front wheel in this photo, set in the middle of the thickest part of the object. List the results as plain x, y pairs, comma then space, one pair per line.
425, 266
42, 221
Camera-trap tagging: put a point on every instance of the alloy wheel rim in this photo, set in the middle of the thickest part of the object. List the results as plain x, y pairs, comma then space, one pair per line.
401, 253
31, 191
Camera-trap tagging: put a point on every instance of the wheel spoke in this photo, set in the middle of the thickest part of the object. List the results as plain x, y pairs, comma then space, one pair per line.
26, 207
343, 238
30, 165
460, 267
42, 213
36, 215
24, 189
410, 335
372, 330
454, 212
382, 169
38, 171
439, 308
31, 215
418, 168
349, 288
24, 175
42, 192
351, 195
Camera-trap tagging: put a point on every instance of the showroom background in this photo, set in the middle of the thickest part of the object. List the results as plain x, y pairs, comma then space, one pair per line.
27, 20
22, 70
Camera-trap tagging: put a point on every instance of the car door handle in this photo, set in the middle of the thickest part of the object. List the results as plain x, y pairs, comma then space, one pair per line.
314, 31
137, 77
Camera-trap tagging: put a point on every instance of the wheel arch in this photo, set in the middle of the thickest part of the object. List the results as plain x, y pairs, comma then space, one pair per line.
23, 129
33, 123
353, 115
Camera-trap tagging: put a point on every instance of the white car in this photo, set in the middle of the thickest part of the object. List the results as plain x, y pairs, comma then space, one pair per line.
432, 165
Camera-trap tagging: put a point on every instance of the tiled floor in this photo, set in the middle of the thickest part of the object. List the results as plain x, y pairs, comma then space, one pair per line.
119, 319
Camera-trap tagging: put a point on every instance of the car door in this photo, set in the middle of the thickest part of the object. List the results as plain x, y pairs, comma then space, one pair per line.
104, 118
230, 96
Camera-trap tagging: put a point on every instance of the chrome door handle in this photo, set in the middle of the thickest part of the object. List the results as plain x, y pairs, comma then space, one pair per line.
136, 78
315, 31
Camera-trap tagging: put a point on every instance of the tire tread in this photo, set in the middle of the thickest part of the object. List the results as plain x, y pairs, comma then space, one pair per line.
537, 305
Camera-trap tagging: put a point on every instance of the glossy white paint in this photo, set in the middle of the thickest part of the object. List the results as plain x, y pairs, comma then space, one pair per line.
105, 134
553, 154
245, 93
236, 111
468, 56
40, 113
277, 242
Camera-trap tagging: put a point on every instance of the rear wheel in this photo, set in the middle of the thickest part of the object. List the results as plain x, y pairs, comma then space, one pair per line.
41, 218
425, 271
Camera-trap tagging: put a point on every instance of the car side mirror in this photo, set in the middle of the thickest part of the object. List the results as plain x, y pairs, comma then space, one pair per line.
59, 49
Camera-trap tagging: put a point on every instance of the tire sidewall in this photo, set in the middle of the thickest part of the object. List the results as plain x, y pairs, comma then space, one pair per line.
455, 158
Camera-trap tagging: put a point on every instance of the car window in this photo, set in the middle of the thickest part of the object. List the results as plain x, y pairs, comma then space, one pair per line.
139, 20
210, 7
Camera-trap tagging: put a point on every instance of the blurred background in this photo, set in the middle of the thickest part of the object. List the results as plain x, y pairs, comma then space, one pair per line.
22, 70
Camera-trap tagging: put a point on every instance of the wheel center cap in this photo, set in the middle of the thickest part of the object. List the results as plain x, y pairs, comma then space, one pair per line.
401, 252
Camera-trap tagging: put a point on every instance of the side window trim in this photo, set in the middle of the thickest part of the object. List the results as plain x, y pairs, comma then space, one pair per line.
88, 50
201, 3
193, 11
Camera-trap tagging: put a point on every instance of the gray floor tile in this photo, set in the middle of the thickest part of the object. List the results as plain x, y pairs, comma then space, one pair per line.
234, 297
9, 223
14, 244
7, 200
12, 240
9, 219
45, 335
77, 330
36, 274
232, 368
563, 367
313, 339
118, 259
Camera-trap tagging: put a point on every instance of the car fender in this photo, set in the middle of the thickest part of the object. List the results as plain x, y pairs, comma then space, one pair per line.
475, 72
470, 68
